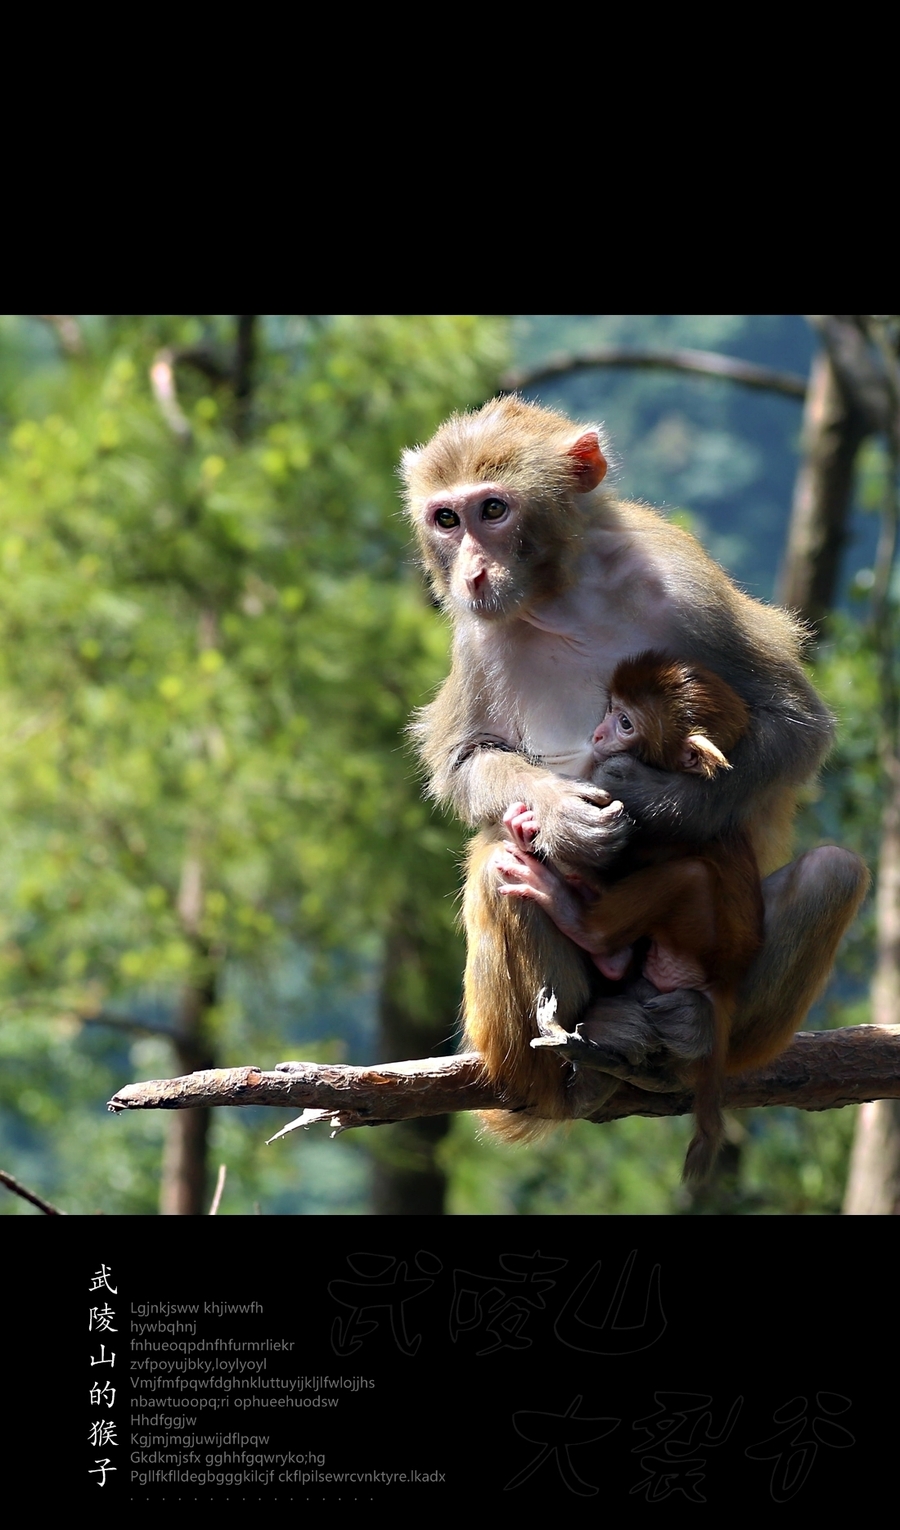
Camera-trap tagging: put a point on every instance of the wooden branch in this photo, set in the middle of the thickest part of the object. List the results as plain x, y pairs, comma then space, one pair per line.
821, 1070
217, 1193
702, 363
29, 1195
432, 1086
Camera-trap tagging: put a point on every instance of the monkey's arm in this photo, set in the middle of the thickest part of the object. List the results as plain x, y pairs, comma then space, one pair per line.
478, 766
783, 748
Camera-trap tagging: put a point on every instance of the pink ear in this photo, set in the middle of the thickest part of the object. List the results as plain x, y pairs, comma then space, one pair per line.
589, 462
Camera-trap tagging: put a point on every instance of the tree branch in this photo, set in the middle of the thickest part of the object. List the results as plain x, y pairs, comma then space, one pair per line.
217, 1193
702, 363
821, 1070
127, 1023
431, 1086
67, 331
29, 1195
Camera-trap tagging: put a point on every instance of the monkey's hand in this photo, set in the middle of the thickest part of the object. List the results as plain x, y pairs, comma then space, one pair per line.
577, 822
521, 875
522, 826
677, 803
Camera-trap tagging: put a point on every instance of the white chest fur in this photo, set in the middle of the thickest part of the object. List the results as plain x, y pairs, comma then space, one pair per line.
547, 672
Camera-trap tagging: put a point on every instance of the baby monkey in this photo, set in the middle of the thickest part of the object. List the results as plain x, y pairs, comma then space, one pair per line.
700, 904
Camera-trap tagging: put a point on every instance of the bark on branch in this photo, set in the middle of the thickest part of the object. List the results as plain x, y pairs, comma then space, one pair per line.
821, 1070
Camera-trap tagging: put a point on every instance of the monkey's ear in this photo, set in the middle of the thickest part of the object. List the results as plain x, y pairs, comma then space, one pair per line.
588, 461
701, 757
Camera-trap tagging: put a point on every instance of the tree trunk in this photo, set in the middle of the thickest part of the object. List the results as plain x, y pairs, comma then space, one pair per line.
833, 430
183, 1186
873, 1183
415, 1020
873, 1186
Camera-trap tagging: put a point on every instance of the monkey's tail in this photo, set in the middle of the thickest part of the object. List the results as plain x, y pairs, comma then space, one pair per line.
534, 1081
515, 957
536, 1078
515, 1126
709, 1125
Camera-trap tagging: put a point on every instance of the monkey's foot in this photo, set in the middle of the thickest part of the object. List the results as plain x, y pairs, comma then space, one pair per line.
659, 1035
683, 1023
567, 1044
619, 1043
587, 1091
653, 1075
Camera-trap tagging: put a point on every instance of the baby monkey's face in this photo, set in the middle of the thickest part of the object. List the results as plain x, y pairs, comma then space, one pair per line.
618, 732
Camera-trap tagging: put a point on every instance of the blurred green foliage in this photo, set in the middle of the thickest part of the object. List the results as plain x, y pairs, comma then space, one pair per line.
211, 639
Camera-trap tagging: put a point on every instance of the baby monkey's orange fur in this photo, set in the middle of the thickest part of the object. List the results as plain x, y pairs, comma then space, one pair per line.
700, 904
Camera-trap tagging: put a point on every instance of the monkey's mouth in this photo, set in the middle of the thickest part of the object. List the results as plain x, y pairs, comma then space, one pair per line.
488, 603
490, 608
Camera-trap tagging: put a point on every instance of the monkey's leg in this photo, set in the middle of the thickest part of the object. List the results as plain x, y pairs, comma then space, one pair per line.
621, 1036
808, 907
673, 903
616, 1030
616, 1035
515, 957
664, 1037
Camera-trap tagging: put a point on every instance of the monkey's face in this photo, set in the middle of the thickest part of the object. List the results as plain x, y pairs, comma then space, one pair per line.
651, 734
475, 550
619, 731
499, 500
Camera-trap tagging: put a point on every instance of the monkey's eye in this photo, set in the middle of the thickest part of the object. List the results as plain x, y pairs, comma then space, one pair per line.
625, 723
493, 509
446, 519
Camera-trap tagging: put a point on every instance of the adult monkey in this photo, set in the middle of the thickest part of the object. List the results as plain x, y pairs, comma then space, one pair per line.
551, 582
